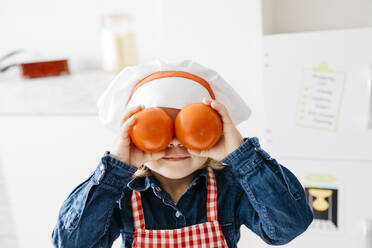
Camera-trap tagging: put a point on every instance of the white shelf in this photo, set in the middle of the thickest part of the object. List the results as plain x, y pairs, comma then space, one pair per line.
74, 94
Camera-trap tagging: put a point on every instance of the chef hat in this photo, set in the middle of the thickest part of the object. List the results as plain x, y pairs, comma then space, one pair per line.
164, 84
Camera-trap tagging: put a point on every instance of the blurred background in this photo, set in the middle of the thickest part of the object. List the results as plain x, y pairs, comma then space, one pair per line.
304, 67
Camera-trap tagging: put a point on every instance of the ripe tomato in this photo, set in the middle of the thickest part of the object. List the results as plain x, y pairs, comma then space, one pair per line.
153, 129
198, 126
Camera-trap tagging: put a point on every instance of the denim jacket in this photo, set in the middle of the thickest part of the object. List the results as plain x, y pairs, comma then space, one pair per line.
253, 189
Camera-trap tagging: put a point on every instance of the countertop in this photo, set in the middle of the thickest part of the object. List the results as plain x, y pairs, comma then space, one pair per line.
74, 94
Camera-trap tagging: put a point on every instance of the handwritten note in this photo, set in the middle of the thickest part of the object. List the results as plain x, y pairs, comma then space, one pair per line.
320, 98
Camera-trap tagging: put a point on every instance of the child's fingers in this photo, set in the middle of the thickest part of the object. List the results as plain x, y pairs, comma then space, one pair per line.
220, 108
129, 112
124, 130
122, 145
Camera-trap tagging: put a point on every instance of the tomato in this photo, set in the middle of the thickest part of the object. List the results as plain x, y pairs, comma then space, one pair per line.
198, 126
152, 130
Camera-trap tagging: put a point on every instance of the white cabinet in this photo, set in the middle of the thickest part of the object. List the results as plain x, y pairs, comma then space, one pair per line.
50, 141
43, 159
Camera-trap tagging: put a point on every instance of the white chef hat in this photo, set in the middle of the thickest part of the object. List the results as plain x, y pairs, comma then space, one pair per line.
165, 84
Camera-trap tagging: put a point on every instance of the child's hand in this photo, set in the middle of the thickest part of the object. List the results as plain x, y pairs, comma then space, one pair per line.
124, 150
231, 138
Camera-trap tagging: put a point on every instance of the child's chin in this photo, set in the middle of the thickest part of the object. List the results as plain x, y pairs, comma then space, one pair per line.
176, 172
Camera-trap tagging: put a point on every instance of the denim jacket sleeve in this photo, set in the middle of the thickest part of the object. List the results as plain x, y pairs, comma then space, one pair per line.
273, 204
86, 218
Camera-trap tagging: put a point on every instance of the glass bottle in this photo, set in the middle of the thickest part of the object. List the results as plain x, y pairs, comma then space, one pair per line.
118, 42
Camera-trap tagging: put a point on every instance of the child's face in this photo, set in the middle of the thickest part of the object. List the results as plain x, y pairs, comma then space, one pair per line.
176, 169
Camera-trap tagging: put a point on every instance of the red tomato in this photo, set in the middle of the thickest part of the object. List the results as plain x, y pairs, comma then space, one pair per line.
152, 130
198, 126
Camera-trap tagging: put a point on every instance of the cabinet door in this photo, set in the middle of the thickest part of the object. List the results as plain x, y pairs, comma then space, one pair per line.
43, 159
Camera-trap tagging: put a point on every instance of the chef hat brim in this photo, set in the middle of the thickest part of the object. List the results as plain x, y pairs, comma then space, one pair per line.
112, 104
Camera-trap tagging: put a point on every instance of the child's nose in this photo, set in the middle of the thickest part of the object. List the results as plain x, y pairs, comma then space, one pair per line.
175, 142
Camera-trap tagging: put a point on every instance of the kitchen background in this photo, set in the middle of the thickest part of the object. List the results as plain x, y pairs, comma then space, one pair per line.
51, 139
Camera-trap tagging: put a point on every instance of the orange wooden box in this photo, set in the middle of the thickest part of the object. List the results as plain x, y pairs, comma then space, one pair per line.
44, 68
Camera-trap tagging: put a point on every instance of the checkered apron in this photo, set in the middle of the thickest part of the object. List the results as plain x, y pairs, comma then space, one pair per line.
207, 234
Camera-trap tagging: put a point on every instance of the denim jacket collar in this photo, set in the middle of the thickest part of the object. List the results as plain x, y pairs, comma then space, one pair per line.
143, 183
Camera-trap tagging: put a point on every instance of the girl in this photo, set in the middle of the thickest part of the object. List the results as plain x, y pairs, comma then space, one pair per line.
180, 197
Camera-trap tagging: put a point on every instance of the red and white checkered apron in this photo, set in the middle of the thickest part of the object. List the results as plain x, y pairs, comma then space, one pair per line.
207, 234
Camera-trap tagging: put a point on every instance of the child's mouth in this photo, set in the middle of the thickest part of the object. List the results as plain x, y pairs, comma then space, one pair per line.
176, 158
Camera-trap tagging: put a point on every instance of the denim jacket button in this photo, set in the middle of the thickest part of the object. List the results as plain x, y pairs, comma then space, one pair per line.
157, 188
178, 214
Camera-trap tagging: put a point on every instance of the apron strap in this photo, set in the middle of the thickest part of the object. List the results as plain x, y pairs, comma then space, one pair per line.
137, 210
211, 196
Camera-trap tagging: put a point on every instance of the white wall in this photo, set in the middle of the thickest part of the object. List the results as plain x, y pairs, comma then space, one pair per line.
282, 16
